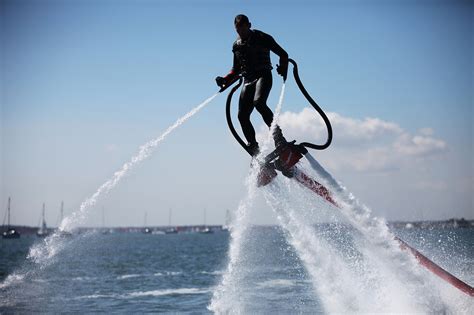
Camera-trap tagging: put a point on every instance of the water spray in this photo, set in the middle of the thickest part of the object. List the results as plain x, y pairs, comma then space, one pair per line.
285, 157
43, 253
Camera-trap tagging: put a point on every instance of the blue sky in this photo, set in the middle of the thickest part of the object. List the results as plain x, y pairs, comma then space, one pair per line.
85, 83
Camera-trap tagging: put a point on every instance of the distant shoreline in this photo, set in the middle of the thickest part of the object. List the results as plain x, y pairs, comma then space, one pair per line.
442, 224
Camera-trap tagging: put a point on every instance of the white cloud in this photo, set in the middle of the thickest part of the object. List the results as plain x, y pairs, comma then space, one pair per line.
378, 159
418, 145
359, 130
307, 124
426, 131
370, 144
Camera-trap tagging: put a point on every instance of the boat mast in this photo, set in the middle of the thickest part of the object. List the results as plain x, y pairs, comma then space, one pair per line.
43, 225
8, 225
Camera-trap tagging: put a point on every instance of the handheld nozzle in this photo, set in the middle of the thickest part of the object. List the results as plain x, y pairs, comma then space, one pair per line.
282, 69
225, 85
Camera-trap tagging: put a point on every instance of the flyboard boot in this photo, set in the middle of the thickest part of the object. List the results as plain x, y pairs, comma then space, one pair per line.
267, 168
283, 159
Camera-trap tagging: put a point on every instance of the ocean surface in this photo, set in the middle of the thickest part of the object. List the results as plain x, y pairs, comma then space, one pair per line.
142, 273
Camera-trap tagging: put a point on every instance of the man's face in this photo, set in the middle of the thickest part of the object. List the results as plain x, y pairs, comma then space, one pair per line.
243, 29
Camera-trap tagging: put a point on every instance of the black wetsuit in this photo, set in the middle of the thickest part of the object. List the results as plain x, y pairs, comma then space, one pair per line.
252, 61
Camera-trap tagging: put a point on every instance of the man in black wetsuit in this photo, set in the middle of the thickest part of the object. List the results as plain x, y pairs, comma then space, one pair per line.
252, 61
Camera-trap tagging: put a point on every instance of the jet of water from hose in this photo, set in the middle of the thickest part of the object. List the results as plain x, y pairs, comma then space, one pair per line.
144, 152
41, 253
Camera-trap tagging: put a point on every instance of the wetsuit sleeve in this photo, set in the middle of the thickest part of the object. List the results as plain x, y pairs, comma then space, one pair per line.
235, 65
282, 68
273, 46
235, 70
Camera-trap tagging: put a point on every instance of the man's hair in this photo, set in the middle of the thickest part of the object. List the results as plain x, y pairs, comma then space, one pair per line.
239, 19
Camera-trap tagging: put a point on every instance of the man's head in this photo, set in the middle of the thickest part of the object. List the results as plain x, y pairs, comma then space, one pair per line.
242, 26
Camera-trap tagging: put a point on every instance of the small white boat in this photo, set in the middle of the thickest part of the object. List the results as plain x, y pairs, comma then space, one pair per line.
10, 233
43, 229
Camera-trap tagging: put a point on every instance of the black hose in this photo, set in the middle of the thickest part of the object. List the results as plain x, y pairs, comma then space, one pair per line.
316, 107
306, 95
229, 117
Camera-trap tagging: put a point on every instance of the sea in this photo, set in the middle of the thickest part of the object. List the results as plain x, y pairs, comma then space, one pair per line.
185, 273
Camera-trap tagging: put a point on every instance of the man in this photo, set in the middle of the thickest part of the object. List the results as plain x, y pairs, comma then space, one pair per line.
252, 61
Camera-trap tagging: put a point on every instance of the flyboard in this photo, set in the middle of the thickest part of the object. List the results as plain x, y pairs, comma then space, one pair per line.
285, 158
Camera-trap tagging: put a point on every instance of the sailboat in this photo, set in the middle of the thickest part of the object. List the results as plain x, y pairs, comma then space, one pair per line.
10, 233
43, 230
205, 230
146, 230
61, 216
226, 226
170, 229
103, 229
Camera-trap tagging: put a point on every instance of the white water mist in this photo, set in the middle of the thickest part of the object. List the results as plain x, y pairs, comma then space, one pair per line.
227, 295
343, 278
320, 260
400, 279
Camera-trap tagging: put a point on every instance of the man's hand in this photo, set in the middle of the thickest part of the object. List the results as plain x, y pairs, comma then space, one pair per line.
221, 82
282, 68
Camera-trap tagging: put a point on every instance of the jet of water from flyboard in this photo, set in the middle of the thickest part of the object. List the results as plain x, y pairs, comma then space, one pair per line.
301, 236
228, 292
227, 295
358, 215
381, 246
52, 244
338, 275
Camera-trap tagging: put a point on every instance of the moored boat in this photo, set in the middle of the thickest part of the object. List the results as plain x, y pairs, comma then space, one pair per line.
10, 232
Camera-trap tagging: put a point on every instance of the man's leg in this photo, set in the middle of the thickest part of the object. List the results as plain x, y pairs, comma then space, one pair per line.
245, 109
262, 91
